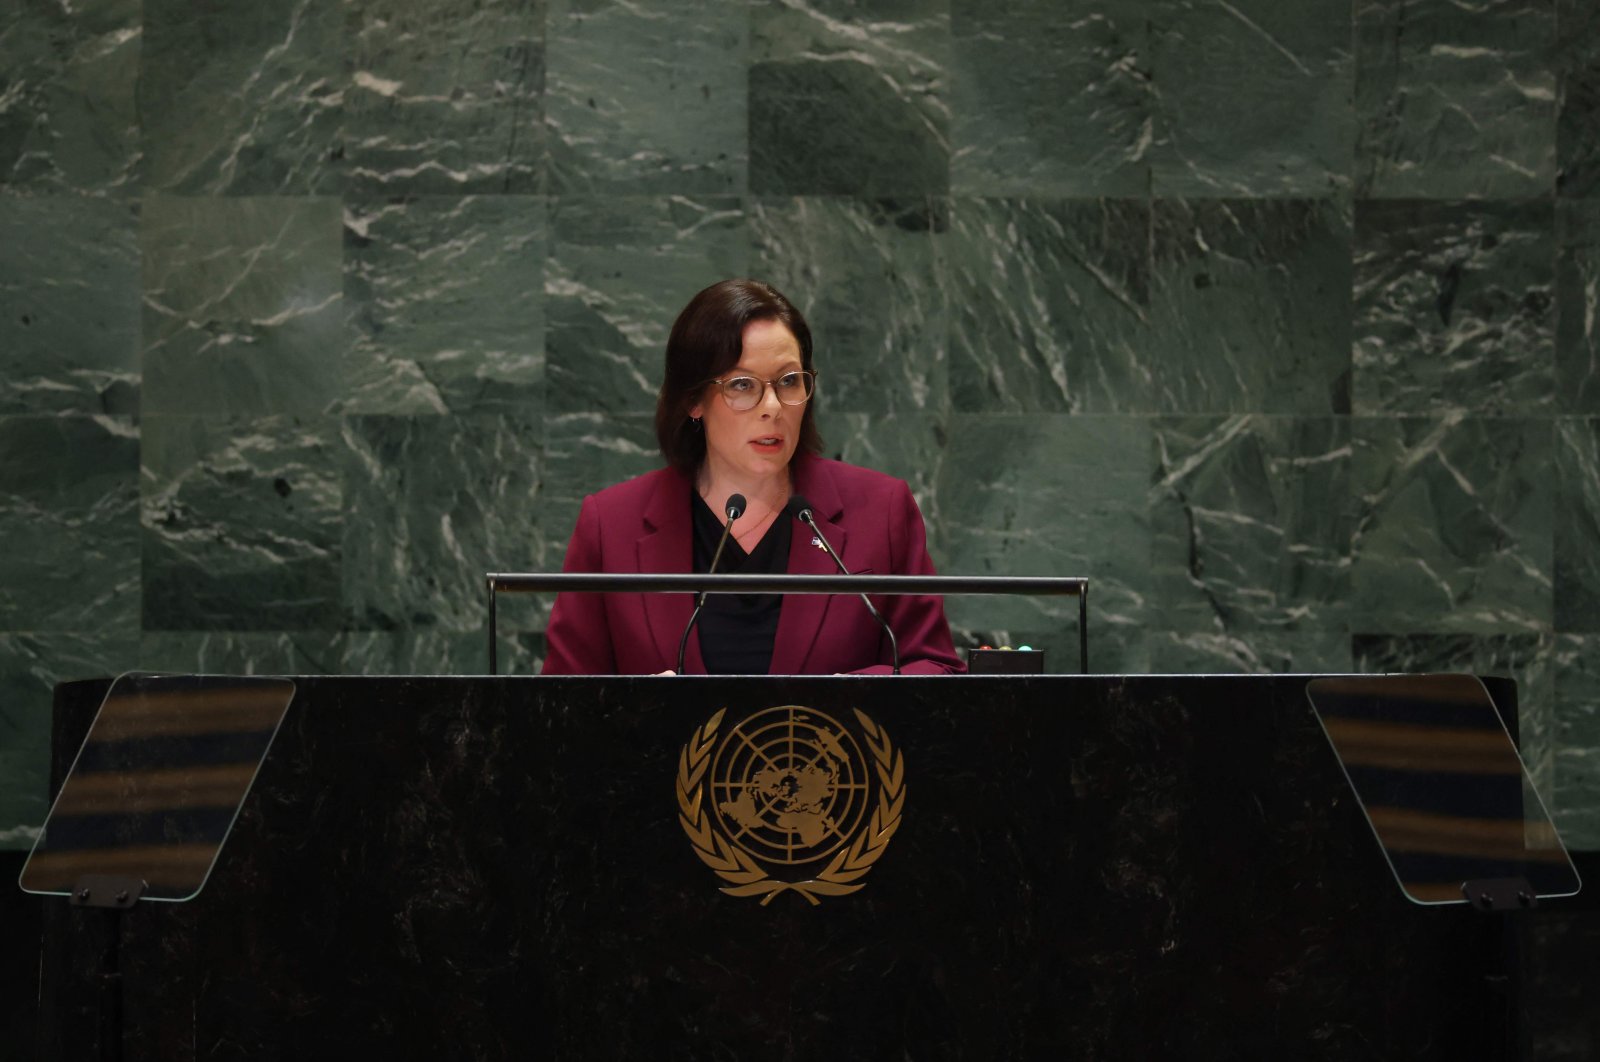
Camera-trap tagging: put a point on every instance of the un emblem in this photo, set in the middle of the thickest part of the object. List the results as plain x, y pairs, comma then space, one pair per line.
787, 789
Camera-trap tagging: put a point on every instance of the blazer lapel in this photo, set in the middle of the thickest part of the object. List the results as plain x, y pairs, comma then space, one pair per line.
801, 618
667, 546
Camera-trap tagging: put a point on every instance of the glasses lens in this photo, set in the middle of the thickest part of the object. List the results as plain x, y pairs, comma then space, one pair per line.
793, 388
742, 392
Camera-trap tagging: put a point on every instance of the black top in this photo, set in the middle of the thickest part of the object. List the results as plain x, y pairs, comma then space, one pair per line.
737, 630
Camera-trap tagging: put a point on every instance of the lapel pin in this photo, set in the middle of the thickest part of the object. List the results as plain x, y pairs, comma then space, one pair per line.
817, 542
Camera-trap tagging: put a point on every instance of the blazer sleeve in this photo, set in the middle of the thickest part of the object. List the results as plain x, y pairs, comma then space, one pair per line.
578, 638
918, 622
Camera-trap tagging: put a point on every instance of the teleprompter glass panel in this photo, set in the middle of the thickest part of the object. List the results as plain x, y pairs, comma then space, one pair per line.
158, 782
1441, 784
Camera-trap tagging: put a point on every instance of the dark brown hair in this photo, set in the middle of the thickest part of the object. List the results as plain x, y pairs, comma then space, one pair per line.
707, 340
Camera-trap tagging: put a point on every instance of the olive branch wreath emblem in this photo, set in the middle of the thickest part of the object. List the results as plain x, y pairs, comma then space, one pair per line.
744, 875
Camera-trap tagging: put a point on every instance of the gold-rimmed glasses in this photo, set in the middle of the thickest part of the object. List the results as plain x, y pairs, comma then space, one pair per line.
744, 393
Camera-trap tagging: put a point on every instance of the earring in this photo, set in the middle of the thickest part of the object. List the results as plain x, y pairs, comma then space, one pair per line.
695, 422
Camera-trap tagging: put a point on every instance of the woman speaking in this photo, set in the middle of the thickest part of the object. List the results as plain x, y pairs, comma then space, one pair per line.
735, 417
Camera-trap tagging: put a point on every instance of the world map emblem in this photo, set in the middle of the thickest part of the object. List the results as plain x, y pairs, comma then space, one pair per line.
788, 800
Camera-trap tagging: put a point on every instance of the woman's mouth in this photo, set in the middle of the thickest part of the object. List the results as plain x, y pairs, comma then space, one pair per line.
768, 444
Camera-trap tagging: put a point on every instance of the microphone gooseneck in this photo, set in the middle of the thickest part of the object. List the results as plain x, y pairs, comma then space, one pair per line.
732, 509
800, 509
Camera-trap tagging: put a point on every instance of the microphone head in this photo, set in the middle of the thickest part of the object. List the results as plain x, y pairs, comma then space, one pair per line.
798, 508
734, 506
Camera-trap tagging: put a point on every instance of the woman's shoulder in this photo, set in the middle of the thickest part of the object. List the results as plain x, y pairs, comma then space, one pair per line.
853, 481
633, 494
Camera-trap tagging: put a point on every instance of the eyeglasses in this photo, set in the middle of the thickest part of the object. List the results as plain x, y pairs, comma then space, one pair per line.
744, 393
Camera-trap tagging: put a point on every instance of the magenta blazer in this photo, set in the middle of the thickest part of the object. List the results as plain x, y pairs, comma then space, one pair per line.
644, 525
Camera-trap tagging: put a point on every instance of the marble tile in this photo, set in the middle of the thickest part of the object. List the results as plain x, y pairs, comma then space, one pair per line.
69, 285
242, 101
1576, 740
443, 98
630, 116
1042, 104
1256, 653
427, 652
1249, 306
848, 97
1454, 307
1250, 526
242, 305
1037, 495
30, 666
1049, 303
909, 446
1577, 524
867, 275
1530, 659
242, 523
1453, 525
619, 271
1577, 302
1577, 67
67, 117
1251, 98
1455, 100
69, 516
445, 299
585, 453
430, 505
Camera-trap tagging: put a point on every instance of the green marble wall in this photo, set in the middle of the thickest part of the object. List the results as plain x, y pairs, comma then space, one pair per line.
1275, 318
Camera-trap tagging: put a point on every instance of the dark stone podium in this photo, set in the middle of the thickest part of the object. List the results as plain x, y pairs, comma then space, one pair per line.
1086, 868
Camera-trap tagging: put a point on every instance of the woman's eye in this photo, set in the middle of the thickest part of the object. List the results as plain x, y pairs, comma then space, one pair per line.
740, 385
789, 381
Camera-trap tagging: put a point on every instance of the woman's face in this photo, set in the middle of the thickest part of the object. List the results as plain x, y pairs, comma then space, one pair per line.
757, 442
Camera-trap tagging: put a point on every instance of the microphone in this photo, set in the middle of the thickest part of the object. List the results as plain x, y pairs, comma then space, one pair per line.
733, 508
800, 509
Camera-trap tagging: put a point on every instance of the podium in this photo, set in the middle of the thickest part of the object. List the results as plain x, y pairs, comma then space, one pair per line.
1080, 867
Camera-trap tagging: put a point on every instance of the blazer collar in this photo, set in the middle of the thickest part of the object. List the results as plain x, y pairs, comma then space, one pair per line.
801, 618
667, 546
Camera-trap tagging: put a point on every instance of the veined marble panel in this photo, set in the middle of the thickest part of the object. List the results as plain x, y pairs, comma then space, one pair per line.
585, 453
1577, 97
69, 285
619, 271
446, 301
1578, 305
1576, 740
1455, 100
430, 505
1530, 659
1251, 97
443, 98
30, 666
242, 305
1249, 306
69, 518
1453, 525
867, 274
648, 98
848, 97
910, 446
1047, 495
427, 652
67, 115
1046, 101
1250, 527
242, 523
1049, 305
1454, 307
242, 99
1256, 653
1577, 524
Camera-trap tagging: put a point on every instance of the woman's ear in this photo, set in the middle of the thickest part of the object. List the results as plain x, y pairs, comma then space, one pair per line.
697, 411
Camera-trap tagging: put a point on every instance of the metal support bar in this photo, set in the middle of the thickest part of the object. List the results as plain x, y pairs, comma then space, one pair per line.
934, 585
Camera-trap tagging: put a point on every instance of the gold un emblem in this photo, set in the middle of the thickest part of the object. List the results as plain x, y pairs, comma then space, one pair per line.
785, 790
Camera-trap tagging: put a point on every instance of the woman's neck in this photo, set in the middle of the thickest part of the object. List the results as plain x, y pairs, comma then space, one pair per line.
765, 497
